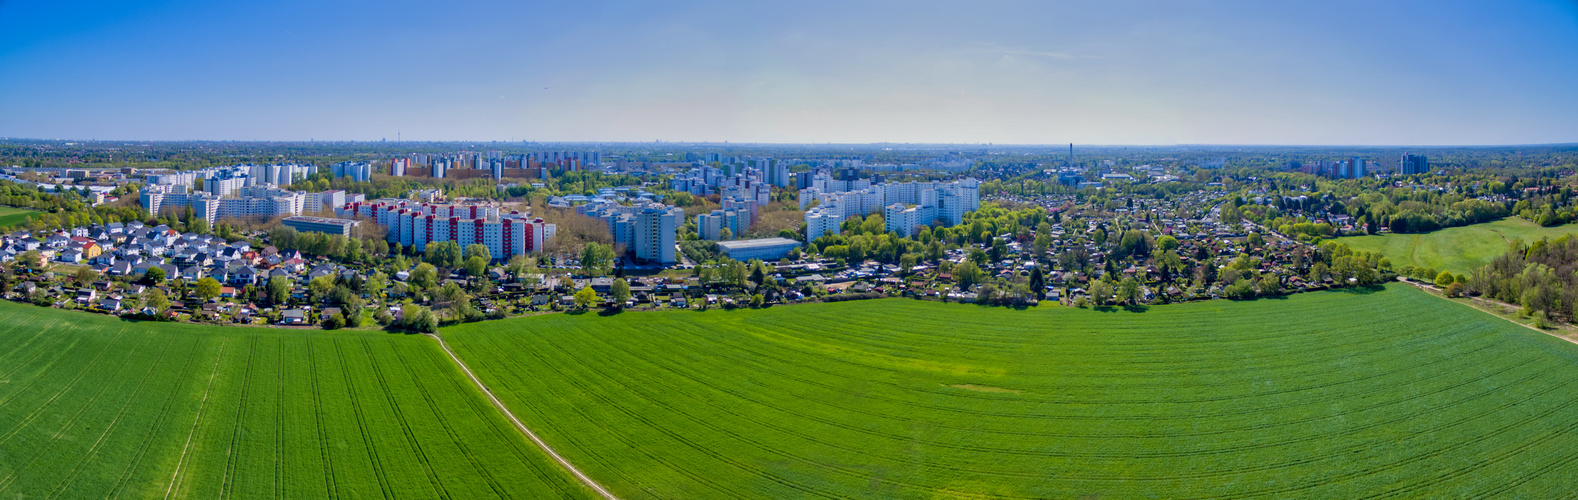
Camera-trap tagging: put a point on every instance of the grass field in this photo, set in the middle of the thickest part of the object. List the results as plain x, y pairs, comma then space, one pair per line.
1458, 249
95, 407
11, 216
1393, 393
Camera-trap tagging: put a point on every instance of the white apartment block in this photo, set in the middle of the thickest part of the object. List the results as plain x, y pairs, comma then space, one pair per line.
327, 200
820, 220
905, 206
252, 202
223, 187
654, 228
710, 226
356, 171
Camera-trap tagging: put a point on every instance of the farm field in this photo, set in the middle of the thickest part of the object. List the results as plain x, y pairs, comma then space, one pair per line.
95, 407
1391, 393
12, 216
1457, 249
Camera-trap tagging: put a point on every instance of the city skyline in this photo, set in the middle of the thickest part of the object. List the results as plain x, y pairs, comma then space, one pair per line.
1132, 73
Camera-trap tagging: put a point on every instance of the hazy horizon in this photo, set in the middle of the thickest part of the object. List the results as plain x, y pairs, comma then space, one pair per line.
1136, 73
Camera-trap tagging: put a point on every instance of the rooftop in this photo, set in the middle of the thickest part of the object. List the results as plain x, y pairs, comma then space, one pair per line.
321, 220
756, 243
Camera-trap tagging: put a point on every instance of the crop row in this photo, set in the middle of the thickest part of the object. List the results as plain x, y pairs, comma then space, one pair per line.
1363, 395
93, 407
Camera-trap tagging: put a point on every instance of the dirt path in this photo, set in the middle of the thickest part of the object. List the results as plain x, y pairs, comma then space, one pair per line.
529, 434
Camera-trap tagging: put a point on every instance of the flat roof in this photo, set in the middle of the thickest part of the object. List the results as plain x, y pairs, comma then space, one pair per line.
321, 220
756, 243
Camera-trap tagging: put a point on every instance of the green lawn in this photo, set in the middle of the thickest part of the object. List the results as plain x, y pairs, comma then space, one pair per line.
12, 217
1458, 249
1323, 395
95, 407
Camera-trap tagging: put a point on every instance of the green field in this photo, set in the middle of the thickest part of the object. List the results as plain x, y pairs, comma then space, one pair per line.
95, 407
12, 217
1393, 393
1457, 249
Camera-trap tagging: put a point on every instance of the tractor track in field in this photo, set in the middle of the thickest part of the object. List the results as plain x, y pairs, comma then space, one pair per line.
175, 478
587, 480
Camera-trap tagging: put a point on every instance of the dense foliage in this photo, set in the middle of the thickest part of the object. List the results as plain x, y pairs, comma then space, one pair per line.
1541, 276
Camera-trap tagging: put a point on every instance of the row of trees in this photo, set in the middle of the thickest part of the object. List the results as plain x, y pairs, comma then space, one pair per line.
1542, 277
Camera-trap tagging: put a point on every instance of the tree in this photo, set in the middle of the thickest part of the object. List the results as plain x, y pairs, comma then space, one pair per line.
320, 287
416, 318
978, 257
476, 266
85, 276
585, 298
1041, 244
1101, 292
757, 300
597, 258
1167, 243
197, 225
375, 284
620, 291
1455, 289
479, 250
451, 292
156, 299
1129, 290
1038, 282
207, 288
334, 322
521, 264
283, 236
279, 290
907, 263
1445, 278
1318, 272
966, 274
32, 258
757, 276
445, 254
425, 276
153, 276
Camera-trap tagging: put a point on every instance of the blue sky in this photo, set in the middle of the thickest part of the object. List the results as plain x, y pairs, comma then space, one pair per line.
1032, 72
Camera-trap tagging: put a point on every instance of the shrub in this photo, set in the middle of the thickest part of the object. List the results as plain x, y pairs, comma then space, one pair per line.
1541, 321
334, 322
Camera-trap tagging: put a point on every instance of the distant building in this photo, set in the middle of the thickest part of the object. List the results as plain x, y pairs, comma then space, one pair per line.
414, 225
654, 234
356, 171
822, 220
1412, 164
710, 226
765, 249
932, 201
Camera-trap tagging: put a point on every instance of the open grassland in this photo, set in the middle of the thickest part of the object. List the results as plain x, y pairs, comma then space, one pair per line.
1391, 393
1457, 249
95, 407
12, 216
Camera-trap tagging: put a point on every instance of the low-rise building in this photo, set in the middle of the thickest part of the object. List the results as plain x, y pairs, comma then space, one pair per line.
762, 249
